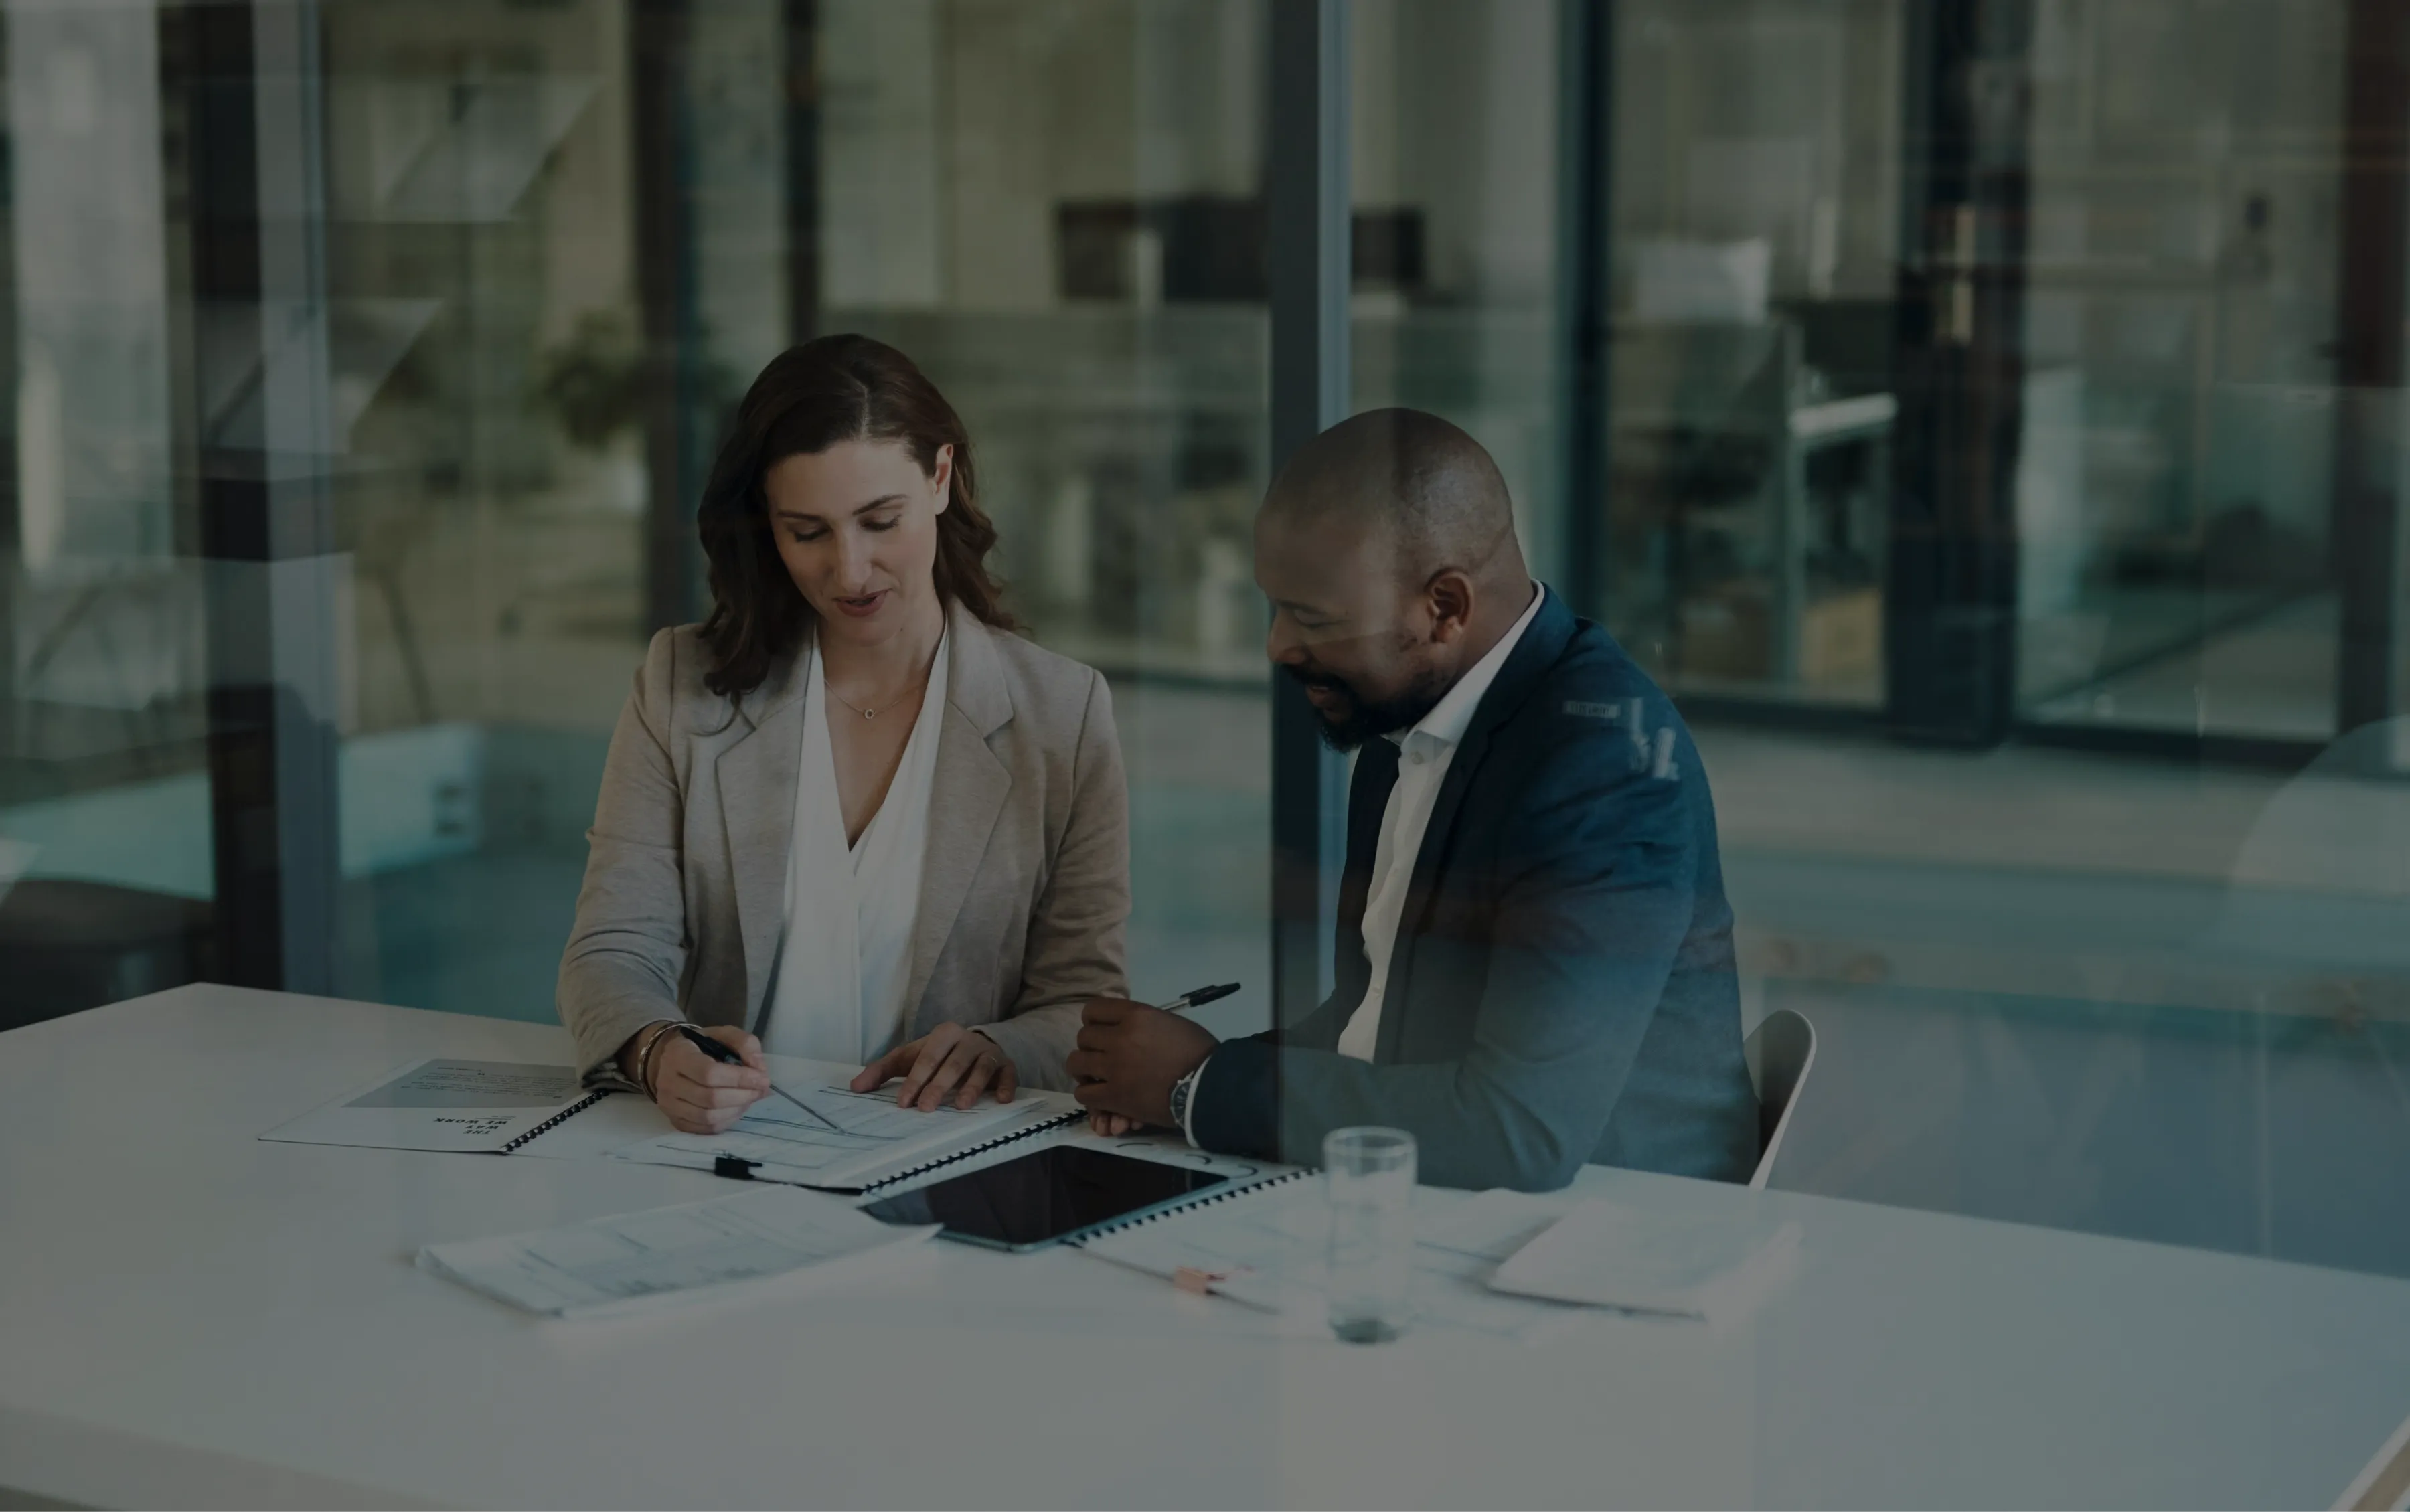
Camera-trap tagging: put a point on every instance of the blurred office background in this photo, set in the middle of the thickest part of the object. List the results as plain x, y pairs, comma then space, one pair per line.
1983, 414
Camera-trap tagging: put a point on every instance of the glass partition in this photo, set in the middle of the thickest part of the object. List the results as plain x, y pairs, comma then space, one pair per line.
1753, 186
1457, 115
1054, 208
553, 244
481, 215
2167, 250
2002, 467
1992, 442
105, 854
2177, 481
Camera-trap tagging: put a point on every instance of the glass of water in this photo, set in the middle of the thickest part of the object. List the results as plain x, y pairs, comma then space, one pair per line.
1371, 1177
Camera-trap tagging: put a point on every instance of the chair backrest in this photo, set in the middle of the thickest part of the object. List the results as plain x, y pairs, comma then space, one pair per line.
1779, 1051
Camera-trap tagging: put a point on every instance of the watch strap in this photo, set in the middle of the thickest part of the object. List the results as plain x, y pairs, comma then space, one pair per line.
1181, 1091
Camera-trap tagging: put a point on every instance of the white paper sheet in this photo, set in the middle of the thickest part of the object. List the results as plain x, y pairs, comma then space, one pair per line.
873, 1141
1715, 1266
1489, 1225
637, 1260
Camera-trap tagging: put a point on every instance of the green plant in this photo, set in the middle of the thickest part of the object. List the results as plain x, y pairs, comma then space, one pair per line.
594, 381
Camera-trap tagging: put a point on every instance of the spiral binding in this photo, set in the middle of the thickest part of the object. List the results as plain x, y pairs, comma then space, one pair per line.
981, 1148
1185, 1208
557, 1119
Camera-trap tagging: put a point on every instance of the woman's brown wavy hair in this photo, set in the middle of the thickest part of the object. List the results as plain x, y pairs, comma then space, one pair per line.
830, 389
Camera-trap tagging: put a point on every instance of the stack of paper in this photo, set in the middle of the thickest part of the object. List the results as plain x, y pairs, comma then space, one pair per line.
634, 1260
1716, 1266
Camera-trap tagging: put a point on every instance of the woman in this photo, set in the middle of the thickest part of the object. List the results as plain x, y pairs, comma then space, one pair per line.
850, 816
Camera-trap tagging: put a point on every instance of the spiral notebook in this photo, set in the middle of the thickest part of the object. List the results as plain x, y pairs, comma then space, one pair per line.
1265, 1246
1241, 1244
842, 1141
852, 1142
493, 1106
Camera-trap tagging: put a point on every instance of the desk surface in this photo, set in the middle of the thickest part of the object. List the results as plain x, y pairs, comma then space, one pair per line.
189, 1316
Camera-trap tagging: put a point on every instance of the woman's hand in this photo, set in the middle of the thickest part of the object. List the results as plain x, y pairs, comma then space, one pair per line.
949, 1059
703, 1096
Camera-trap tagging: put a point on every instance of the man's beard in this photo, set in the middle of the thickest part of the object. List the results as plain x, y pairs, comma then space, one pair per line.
1357, 720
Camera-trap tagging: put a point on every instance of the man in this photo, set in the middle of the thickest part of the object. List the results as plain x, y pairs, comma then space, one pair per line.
1534, 963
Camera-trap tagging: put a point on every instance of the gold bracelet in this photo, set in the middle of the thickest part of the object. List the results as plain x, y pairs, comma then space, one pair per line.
645, 1057
642, 1040
661, 1028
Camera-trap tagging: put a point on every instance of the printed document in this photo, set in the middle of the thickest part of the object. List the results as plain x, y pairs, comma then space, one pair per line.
441, 1104
849, 1140
636, 1260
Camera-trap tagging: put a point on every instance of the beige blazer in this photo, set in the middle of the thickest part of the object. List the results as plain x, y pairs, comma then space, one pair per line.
1025, 887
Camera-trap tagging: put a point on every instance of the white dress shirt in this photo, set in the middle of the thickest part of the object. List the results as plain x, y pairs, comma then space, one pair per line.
1424, 752
844, 956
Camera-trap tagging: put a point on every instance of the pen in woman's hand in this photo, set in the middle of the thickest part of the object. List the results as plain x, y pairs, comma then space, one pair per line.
730, 1057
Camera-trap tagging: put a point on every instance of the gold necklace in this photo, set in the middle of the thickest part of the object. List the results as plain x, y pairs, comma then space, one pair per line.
871, 713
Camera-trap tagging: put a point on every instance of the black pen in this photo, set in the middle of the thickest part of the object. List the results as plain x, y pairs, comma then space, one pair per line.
728, 1057
1198, 997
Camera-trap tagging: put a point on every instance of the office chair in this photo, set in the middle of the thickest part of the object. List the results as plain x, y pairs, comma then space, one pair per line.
1779, 1051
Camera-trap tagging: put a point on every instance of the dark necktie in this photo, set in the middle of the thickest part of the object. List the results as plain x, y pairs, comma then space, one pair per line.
1368, 799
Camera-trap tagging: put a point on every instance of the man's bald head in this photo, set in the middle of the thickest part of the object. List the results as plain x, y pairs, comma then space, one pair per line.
1410, 479
1387, 547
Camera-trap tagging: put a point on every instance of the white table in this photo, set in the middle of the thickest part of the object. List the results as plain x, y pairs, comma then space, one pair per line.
189, 1316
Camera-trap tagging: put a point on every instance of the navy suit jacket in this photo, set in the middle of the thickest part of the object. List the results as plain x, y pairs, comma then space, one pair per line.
1562, 991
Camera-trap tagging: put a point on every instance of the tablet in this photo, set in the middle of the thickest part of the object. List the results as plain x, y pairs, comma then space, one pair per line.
1061, 1192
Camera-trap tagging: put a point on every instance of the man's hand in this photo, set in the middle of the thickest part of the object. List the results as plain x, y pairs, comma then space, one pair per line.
703, 1096
1129, 1056
948, 1060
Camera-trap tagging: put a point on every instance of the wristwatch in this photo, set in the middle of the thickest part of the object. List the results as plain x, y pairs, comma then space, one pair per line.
1181, 1092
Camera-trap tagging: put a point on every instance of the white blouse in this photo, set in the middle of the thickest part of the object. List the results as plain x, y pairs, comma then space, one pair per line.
844, 956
